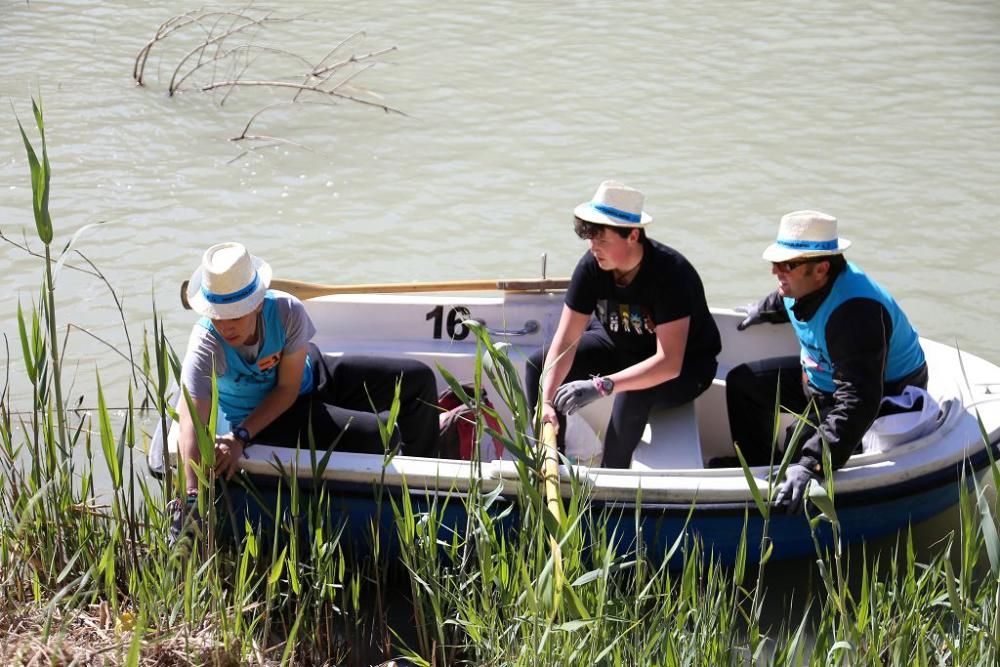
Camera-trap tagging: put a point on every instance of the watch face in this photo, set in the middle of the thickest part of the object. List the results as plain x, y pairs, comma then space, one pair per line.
242, 434
609, 385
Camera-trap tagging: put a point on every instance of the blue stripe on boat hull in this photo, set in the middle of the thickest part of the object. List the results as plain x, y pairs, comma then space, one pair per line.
863, 516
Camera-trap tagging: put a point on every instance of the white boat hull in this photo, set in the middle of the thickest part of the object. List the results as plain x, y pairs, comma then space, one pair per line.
874, 493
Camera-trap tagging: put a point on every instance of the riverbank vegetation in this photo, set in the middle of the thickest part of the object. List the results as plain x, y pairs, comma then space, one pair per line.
87, 576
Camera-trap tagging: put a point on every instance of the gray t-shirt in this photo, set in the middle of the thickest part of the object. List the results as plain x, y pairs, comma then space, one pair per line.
204, 350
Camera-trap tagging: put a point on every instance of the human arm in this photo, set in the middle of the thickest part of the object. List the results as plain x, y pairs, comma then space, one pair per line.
560, 357
279, 399
769, 309
298, 329
665, 363
229, 448
857, 335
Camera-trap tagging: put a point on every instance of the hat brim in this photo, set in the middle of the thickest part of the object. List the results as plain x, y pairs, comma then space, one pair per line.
779, 253
228, 311
586, 211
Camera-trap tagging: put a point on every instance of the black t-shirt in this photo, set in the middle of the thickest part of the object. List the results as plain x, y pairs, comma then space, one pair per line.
665, 289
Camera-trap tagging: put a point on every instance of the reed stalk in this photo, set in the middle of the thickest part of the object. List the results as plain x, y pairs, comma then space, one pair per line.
291, 575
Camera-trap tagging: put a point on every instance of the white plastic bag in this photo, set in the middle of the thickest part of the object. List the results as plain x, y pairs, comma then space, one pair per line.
922, 416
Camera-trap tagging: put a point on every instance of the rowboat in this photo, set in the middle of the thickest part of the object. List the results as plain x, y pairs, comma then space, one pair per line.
668, 492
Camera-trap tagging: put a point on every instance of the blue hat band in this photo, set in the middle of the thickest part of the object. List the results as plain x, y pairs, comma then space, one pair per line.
232, 297
617, 213
795, 244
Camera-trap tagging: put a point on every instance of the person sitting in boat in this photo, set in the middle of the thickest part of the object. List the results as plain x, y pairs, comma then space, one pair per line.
601, 347
856, 343
274, 385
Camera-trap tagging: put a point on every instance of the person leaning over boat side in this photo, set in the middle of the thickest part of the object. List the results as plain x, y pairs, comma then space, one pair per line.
274, 384
857, 346
635, 324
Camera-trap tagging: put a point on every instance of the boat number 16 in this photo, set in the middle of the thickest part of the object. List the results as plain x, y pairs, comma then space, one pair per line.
456, 318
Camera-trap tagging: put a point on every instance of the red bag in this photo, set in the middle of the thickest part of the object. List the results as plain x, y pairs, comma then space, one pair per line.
458, 424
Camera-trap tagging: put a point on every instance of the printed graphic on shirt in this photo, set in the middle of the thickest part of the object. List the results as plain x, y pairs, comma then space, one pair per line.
262, 378
812, 359
625, 318
266, 369
269, 361
635, 317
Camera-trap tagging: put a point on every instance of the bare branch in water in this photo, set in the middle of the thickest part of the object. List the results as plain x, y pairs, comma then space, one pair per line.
299, 86
216, 53
329, 54
248, 48
200, 49
352, 60
197, 18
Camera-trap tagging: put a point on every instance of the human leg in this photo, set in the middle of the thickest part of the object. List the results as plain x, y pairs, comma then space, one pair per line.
751, 389
313, 422
632, 408
366, 384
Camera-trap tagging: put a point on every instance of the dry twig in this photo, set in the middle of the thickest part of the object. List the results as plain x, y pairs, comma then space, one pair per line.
221, 28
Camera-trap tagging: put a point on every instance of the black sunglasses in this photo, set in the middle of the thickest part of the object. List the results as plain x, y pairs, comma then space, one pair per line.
788, 267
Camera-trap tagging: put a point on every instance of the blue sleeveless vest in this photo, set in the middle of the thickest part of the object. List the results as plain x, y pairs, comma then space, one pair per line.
244, 385
904, 356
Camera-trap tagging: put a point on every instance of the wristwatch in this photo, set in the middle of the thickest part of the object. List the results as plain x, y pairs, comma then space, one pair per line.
605, 385
242, 434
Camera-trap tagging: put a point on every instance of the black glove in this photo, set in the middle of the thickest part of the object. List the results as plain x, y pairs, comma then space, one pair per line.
753, 317
792, 491
572, 396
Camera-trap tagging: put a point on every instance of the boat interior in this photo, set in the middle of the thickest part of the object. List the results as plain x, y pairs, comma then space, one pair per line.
669, 463
677, 439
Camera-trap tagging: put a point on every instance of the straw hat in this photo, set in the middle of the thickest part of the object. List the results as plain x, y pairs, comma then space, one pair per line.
616, 205
806, 234
229, 283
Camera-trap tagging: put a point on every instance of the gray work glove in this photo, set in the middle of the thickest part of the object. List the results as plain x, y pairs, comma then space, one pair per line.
753, 317
792, 492
572, 396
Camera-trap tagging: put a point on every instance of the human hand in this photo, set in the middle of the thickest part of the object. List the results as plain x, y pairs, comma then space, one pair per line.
753, 317
549, 415
228, 452
791, 492
572, 396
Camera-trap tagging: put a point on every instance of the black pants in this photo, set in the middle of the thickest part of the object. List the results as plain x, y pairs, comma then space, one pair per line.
352, 393
751, 389
596, 354
750, 401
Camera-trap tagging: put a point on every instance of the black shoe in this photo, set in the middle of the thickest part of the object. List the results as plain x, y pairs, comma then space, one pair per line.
184, 519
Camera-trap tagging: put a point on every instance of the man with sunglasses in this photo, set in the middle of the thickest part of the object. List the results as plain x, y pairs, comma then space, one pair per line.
857, 346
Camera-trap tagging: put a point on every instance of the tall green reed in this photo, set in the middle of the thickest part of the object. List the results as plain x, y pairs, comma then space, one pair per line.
470, 574
40, 179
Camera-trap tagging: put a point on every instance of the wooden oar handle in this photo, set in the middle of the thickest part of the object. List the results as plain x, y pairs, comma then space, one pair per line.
553, 501
304, 290
550, 469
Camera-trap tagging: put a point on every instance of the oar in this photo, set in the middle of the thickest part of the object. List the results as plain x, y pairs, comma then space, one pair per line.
551, 470
304, 290
550, 475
